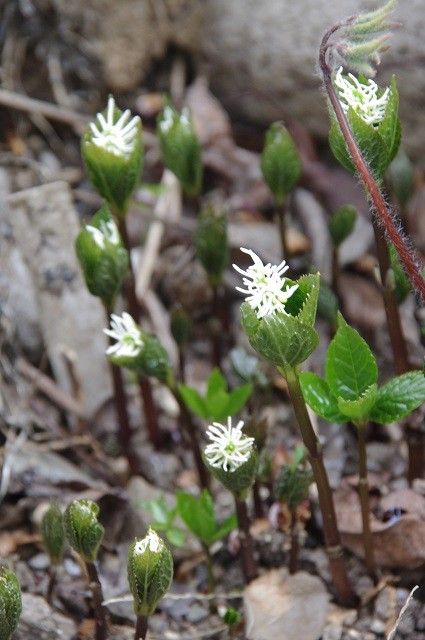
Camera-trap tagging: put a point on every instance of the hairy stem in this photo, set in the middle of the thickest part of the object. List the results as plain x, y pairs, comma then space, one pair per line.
249, 565
99, 610
364, 503
294, 550
332, 538
141, 628
382, 212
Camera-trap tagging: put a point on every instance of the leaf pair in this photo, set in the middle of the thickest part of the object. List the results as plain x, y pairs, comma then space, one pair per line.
349, 390
197, 512
218, 403
164, 520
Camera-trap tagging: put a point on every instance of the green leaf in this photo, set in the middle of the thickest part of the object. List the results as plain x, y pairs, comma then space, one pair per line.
193, 401
238, 398
350, 365
281, 339
228, 525
341, 223
389, 128
399, 397
317, 394
197, 512
216, 383
358, 410
176, 536
402, 286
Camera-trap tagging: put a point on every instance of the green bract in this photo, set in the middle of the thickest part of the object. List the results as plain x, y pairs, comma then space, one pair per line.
211, 243
218, 403
349, 390
280, 162
341, 223
378, 142
286, 339
197, 512
82, 528
114, 169
53, 534
103, 259
150, 572
10, 603
180, 148
241, 479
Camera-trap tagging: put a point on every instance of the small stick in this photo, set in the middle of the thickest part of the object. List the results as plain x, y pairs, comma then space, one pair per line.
365, 504
249, 565
294, 551
51, 585
141, 628
99, 609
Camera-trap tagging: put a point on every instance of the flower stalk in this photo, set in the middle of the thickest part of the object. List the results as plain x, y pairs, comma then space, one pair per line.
365, 503
249, 565
295, 546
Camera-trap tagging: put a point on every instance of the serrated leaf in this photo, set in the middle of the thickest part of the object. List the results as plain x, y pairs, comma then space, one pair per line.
317, 395
399, 397
389, 128
311, 284
281, 339
350, 366
359, 410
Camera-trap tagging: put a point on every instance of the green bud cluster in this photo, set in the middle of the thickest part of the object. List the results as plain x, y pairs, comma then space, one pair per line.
280, 162
103, 258
10, 603
53, 533
83, 531
180, 148
211, 243
150, 572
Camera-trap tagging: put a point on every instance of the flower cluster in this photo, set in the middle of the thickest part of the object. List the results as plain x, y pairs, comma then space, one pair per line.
151, 542
266, 290
363, 97
229, 447
128, 336
106, 233
117, 137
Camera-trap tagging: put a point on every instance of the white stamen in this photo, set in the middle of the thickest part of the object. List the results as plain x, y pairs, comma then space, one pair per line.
151, 541
117, 137
107, 232
229, 447
363, 98
128, 336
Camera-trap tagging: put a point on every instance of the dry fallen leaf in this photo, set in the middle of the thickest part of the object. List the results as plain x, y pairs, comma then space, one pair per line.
276, 605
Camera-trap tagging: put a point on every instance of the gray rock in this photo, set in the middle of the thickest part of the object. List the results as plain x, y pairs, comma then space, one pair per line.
39, 621
43, 228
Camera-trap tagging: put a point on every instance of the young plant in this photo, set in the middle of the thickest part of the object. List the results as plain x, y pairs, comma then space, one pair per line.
278, 317
349, 392
53, 535
233, 619
150, 573
292, 487
10, 603
164, 520
197, 512
232, 458
218, 403
212, 249
281, 168
142, 353
112, 149
85, 534
181, 149
341, 225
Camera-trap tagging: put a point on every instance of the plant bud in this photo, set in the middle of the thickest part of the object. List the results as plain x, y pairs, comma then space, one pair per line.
341, 223
180, 325
180, 148
112, 150
82, 528
240, 480
292, 485
10, 603
150, 572
211, 243
401, 176
280, 162
103, 258
53, 534
154, 359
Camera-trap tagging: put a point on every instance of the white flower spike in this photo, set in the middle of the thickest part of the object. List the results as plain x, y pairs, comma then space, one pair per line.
108, 232
117, 137
363, 98
265, 285
124, 330
229, 447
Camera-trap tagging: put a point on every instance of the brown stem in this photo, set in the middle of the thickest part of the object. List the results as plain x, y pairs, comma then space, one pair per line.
210, 569
249, 565
51, 585
145, 386
383, 214
99, 609
258, 505
141, 628
415, 436
364, 503
294, 551
332, 538
281, 213
216, 327
335, 273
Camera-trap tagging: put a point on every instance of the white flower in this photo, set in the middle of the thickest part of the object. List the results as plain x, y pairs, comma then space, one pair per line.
229, 447
151, 541
117, 137
129, 340
170, 117
265, 284
108, 232
363, 98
